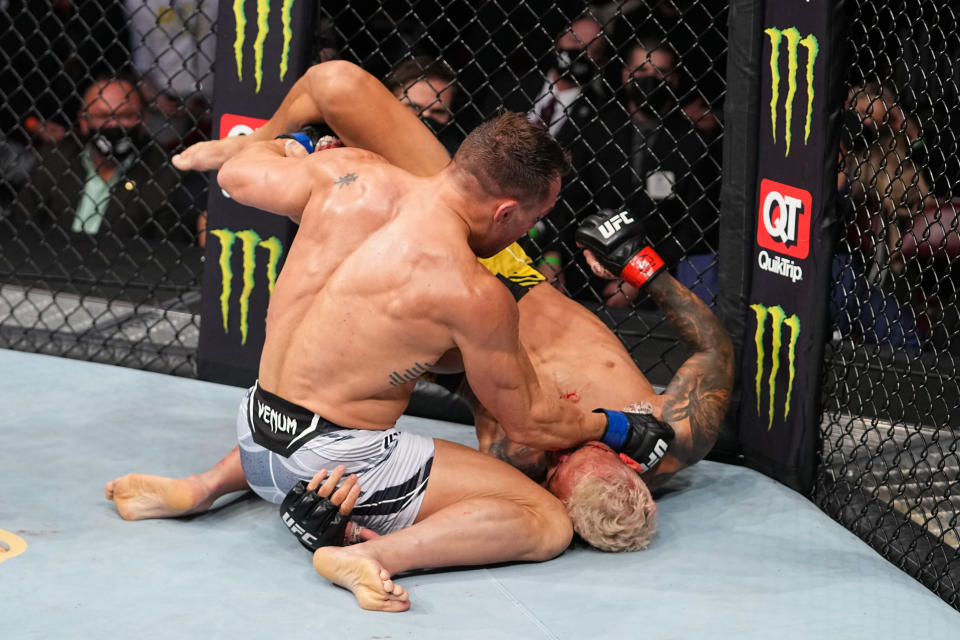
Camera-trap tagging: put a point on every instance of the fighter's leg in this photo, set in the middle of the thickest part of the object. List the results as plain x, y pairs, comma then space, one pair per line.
139, 496
477, 510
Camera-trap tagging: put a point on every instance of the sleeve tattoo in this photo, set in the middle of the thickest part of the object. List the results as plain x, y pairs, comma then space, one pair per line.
700, 390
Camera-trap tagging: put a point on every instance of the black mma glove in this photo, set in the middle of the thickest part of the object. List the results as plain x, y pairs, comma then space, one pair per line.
617, 240
639, 438
314, 137
316, 522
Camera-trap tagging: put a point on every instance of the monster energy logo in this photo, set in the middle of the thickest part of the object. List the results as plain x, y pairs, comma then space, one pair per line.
794, 42
779, 320
263, 29
249, 241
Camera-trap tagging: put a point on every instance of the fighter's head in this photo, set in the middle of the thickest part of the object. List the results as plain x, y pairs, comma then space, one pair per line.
609, 505
513, 168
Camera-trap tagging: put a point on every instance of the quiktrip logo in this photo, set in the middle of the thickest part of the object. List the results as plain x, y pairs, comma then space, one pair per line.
779, 320
794, 41
783, 226
250, 241
263, 8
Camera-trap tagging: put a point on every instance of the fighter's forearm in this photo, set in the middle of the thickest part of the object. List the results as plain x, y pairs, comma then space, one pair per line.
553, 426
700, 390
693, 322
363, 114
310, 100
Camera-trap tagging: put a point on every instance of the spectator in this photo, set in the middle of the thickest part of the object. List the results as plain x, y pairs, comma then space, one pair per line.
644, 154
174, 45
115, 185
50, 49
429, 87
570, 91
571, 85
886, 191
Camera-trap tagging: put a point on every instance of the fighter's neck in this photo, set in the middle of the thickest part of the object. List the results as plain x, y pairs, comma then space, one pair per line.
457, 200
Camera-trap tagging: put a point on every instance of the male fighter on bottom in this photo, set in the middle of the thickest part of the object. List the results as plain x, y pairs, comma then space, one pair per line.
568, 343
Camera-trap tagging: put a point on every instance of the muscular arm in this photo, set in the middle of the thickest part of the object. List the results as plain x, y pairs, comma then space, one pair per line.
355, 105
503, 378
698, 396
262, 176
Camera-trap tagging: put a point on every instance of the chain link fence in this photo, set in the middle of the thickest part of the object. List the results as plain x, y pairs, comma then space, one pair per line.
890, 469
99, 253
101, 240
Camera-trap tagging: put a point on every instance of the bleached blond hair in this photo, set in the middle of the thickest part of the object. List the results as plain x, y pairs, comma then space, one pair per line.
614, 511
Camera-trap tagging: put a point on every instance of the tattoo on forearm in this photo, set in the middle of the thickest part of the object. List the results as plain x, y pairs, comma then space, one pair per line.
531, 462
398, 378
700, 390
692, 320
702, 396
345, 180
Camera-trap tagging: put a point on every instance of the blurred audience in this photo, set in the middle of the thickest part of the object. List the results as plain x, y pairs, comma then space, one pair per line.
108, 181
885, 191
568, 92
645, 155
429, 87
174, 45
50, 50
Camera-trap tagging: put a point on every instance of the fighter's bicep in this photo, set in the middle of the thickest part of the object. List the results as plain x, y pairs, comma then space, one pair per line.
269, 182
497, 369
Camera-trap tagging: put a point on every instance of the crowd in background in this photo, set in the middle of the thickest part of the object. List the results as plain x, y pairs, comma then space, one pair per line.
97, 95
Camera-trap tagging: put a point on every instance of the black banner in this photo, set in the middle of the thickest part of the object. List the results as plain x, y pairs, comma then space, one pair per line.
786, 321
262, 48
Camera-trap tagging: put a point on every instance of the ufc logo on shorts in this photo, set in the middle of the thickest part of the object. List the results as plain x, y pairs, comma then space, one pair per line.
613, 224
784, 221
297, 530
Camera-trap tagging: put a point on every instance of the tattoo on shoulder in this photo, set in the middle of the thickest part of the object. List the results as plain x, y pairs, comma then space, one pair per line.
345, 180
398, 378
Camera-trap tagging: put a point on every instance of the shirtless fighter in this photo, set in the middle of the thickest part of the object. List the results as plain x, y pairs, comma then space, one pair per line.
383, 278
573, 350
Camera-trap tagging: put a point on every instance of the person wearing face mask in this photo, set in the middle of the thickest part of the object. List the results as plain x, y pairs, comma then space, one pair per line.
570, 87
108, 182
429, 87
642, 151
564, 97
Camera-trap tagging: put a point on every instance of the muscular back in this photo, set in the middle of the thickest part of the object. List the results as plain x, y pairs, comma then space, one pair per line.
351, 321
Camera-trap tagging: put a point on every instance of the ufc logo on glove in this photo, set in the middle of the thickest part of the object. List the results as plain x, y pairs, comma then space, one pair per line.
614, 222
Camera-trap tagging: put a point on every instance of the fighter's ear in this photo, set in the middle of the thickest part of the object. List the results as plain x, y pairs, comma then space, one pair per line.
505, 211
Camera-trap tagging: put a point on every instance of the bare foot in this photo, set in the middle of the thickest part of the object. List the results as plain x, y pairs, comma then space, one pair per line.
141, 496
362, 575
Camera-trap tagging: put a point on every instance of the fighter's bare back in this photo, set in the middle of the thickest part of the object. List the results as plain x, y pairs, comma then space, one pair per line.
361, 306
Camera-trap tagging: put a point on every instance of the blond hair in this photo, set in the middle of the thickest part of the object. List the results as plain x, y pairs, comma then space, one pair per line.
613, 513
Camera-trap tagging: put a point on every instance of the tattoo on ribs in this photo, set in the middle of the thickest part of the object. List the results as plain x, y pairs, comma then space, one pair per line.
398, 378
346, 180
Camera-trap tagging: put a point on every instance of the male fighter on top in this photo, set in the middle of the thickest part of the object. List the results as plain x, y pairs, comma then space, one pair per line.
570, 346
383, 278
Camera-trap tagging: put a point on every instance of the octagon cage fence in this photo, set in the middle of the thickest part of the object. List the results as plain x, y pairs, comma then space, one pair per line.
107, 266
